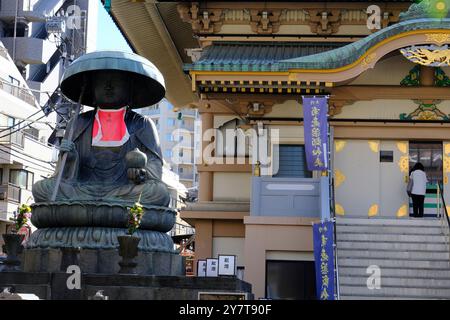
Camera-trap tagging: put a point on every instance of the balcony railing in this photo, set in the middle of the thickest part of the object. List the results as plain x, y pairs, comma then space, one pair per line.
288, 197
21, 93
10, 192
186, 176
11, 136
3, 52
180, 229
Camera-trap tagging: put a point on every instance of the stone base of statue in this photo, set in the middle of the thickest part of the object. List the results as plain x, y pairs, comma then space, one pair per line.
53, 286
93, 228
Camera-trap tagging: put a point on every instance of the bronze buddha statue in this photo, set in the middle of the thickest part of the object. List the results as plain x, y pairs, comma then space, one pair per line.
113, 160
99, 172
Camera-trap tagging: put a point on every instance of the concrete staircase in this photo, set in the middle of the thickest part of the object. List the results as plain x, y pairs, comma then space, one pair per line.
412, 255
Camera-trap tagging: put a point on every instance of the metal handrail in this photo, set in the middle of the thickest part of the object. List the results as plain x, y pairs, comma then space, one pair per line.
445, 213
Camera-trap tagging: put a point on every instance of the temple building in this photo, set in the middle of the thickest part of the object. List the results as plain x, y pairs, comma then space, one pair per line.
245, 66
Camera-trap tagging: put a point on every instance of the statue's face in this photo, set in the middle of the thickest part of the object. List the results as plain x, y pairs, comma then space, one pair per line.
111, 89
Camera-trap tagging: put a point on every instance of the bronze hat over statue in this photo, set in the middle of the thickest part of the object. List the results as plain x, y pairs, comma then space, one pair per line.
110, 159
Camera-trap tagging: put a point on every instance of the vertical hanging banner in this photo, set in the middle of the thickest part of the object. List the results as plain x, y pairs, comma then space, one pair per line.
324, 260
316, 132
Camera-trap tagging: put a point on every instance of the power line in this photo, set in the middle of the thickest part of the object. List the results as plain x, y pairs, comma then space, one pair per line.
27, 166
37, 164
8, 134
26, 155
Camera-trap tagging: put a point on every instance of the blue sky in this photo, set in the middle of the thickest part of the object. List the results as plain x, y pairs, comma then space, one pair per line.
108, 35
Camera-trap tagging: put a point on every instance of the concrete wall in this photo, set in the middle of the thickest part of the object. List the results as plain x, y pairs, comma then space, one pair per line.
266, 235
366, 187
229, 246
232, 186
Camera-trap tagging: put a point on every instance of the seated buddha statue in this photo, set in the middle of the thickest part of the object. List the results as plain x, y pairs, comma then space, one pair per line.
114, 155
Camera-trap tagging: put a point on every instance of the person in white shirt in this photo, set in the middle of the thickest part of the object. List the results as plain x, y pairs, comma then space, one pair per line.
419, 189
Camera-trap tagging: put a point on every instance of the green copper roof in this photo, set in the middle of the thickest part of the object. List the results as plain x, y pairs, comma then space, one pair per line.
276, 56
254, 56
350, 53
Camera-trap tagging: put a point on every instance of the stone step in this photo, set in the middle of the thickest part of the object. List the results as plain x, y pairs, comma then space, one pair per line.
361, 271
389, 230
396, 292
397, 282
389, 263
398, 255
391, 237
389, 222
400, 246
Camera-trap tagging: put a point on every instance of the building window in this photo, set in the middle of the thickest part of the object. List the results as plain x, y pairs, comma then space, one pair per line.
21, 178
170, 121
32, 132
169, 137
168, 154
290, 280
14, 81
11, 122
292, 161
180, 170
240, 273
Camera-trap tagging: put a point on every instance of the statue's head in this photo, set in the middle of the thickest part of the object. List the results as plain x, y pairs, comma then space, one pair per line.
111, 89
113, 79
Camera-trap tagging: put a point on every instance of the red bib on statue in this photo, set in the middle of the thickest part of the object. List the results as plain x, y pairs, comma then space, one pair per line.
109, 128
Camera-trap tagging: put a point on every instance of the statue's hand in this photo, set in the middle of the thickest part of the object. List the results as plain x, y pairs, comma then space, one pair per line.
67, 146
137, 175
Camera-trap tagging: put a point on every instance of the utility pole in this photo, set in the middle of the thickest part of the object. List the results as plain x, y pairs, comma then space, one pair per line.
15, 31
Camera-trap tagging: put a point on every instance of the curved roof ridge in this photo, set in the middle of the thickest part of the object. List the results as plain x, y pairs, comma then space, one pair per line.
350, 53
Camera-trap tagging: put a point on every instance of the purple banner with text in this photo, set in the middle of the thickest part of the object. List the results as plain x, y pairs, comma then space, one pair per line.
316, 132
324, 260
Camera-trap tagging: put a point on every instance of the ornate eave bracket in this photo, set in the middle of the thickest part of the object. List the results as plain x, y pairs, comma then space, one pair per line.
265, 22
324, 22
202, 21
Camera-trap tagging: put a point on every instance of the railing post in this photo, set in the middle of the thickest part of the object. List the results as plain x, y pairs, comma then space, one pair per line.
325, 198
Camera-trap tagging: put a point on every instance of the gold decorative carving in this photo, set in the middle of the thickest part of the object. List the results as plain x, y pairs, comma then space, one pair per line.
403, 163
447, 148
402, 147
438, 38
339, 145
265, 21
373, 210
324, 22
339, 210
402, 211
368, 59
448, 210
446, 163
339, 178
374, 146
428, 55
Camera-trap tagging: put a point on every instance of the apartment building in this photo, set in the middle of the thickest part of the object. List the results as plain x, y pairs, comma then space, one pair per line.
25, 156
176, 130
43, 36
